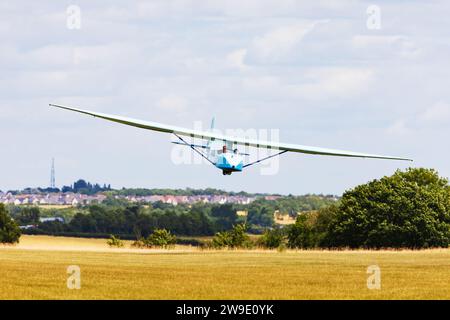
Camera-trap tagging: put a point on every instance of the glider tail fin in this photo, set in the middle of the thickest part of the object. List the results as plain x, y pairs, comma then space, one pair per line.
213, 120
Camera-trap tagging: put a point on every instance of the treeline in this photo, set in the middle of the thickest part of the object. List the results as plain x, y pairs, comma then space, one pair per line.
136, 220
84, 187
79, 186
118, 216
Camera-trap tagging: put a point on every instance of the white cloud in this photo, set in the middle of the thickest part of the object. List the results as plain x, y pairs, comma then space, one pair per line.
236, 58
376, 45
437, 113
280, 42
326, 83
399, 127
172, 103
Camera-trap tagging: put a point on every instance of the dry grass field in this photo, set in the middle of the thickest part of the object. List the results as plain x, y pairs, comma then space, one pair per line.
37, 269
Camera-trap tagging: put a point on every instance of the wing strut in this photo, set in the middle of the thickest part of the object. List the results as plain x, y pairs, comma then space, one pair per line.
193, 148
266, 158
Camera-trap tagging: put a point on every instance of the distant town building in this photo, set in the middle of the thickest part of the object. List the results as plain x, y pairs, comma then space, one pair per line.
283, 218
75, 199
241, 213
51, 219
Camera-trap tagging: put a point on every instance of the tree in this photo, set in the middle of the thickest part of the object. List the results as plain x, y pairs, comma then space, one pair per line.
273, 238
9, 230
29, 215
261, 214
225, 216
80, 184
408, 209
302, 234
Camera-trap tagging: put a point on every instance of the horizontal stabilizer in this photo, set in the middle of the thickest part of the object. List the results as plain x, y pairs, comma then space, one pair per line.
190, 145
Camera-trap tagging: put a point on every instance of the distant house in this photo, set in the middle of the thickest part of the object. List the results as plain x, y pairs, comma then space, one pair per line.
29, 226
219, 199
204, 200
241, 213
283, 219
51, 219
171, 200
154, 198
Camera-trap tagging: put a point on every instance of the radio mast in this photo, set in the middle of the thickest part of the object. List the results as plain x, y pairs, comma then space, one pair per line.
52, 175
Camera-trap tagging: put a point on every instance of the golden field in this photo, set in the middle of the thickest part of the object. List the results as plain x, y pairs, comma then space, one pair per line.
37, 269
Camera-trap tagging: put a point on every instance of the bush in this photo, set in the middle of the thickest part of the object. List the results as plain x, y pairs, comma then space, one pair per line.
115, 242
234, 238
160, 238
9, 230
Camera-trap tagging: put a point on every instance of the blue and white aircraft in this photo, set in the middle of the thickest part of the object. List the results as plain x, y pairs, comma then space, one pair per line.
221, 150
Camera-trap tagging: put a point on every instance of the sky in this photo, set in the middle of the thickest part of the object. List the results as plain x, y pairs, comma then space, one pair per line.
354, 75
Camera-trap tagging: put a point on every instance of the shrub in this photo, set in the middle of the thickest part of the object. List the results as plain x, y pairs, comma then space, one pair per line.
115, 242
161, 238
234, 238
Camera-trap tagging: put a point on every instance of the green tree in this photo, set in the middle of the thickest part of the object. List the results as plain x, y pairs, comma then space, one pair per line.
224, 215
29, 215
9, 230
261, 214
408, 209
273, 238
303, 234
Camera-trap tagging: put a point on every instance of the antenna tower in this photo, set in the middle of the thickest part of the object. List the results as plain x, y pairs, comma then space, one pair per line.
52, 175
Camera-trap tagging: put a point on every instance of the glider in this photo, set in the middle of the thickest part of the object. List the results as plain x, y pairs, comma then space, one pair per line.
221, 150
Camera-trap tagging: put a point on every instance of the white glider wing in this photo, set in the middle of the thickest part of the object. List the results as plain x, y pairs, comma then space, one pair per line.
240, 141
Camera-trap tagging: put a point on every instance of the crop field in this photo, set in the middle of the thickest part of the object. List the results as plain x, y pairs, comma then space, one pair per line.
37, 269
